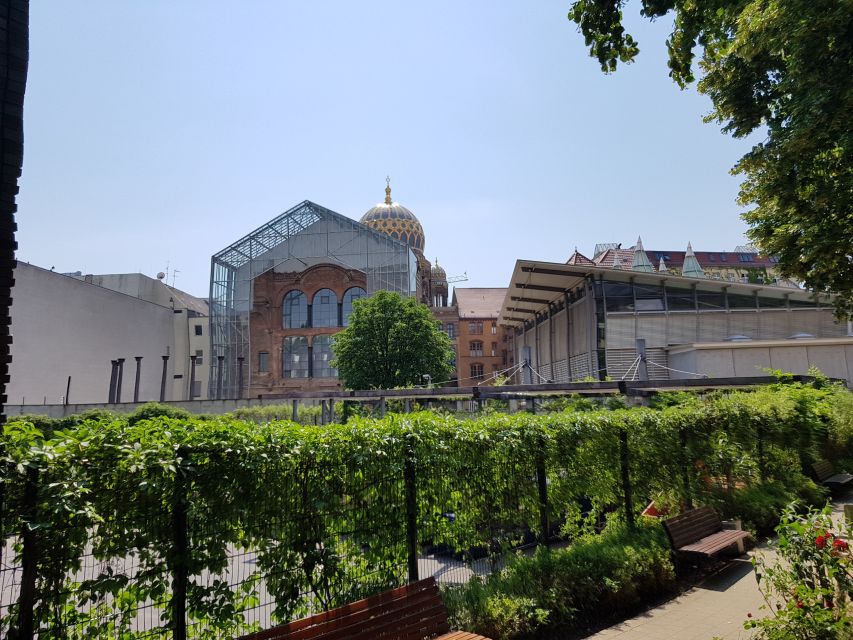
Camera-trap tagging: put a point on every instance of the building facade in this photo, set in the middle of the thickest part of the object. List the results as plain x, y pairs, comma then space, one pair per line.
65, 327
745, 264
190, 358
483, 344
280, 294
576, 321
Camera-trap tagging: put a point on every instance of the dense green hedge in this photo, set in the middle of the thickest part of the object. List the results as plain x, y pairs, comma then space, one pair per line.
323, 508
598, 578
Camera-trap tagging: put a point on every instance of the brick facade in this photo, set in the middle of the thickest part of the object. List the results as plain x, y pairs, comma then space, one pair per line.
268, 333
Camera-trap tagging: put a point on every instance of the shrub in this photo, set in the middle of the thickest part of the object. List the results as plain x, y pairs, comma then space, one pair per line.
156, 410
596, 578
807, 586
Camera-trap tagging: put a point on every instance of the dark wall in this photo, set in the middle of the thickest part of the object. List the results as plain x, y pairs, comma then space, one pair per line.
14, 56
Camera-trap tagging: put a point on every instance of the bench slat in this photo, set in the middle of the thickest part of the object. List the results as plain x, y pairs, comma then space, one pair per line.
716, 542
823, 469
411, 612
700, 531
353, 623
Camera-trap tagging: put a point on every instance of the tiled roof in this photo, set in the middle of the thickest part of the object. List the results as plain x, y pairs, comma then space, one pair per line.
579, 258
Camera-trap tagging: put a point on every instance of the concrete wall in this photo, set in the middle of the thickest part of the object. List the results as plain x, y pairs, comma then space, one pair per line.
65, 327
833, 357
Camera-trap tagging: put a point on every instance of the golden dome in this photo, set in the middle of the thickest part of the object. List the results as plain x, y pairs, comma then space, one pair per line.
395, 220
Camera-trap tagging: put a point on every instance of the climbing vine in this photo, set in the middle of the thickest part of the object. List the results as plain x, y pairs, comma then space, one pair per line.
269, 522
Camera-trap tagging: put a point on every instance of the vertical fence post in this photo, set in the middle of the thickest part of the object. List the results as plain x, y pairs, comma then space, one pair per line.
136, 380
240, 377
762, 472
29, 559
542, 486
163, 379
294, 412
685, 468
113, 377
411, 513
624, 463
382, 407
180, 550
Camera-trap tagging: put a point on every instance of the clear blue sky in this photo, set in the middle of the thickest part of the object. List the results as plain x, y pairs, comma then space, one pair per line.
160, 131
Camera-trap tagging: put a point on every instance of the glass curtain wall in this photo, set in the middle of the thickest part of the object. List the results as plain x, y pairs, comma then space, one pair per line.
305, 235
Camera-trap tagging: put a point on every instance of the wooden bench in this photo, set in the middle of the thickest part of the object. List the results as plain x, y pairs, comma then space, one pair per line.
412, 612
700, 531
826, 475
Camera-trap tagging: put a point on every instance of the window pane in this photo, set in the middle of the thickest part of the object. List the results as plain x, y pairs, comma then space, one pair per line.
295, 310
295, 357
740, 301
649, 297
322, 355
679, 299
263, 362
324, 309
771, 303
710, 300
619, 296
351, 295
803, 304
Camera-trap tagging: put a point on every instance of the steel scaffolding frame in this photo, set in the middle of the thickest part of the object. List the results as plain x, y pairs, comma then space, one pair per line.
305, 235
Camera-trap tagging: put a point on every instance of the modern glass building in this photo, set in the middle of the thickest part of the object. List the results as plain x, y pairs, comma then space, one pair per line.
575, 322
305, 236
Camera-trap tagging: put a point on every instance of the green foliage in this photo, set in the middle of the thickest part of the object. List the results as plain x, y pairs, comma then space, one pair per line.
808, 585
276, 412
784, 67
391, 341
596, 577
156, 410
322, 510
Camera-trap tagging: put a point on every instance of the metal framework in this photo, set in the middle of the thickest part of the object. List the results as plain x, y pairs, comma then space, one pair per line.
301, 237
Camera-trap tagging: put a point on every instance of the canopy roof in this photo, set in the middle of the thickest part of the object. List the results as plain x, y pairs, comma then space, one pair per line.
537, 284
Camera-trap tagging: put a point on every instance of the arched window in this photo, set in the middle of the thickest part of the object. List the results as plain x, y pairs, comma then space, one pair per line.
295, 310
476, 349
295, 357
351, 296
324, 309
476, 370
322, 356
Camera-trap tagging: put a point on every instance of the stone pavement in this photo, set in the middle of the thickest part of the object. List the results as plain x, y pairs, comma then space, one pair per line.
716, 607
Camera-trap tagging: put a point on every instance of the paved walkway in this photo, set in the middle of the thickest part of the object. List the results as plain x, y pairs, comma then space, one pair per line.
717, 607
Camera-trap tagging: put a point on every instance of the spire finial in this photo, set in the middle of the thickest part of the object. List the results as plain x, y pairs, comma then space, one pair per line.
388, 190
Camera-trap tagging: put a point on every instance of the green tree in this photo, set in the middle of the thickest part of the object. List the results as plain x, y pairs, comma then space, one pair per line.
391, 341
784, 66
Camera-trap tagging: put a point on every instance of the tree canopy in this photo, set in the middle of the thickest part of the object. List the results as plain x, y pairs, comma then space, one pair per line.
391, 341
780, 66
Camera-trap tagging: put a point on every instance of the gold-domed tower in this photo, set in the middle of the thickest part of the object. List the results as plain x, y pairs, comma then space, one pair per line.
395, 220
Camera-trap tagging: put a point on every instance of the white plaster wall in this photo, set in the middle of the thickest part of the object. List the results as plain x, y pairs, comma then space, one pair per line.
62, 326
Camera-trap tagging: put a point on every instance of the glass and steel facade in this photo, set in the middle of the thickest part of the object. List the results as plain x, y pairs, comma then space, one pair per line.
306, 235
